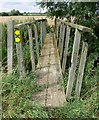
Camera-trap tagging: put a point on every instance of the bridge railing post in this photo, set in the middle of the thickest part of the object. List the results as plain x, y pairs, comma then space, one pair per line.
73, 63
41, 32
36, 39
1, 38
60, 36
62, 42
10, 37
68, 29
31, 47
19, 50
81, 69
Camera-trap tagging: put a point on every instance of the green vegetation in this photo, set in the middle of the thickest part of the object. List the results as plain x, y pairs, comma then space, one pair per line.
17, 101
17, 92
18, 13
17, 96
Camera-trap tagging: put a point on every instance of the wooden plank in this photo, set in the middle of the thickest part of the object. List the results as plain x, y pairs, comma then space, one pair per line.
54, 90
44, 30
73, 63
49, 73
23, 24
10, 34
76, 26
41, 32
20, 58
60, 36
1, 31
36, 38
31, 47
42, 72
66, 49
81, 69
57, 31
63, 34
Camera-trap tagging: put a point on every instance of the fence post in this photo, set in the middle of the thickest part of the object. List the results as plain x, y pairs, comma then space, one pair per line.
57, 31
1, 31
10, 36
73, 63
44, 29
60, 37
41, 32
81, 69
61, 48
66, 49
1, 71
20, 54
36, 38
31, 47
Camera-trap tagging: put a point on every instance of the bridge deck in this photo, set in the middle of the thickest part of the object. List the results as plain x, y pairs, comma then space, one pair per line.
49, 74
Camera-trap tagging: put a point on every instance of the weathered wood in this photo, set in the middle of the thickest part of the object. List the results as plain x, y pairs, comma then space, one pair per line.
60, 37
23, 24
1, 31
66, 49
10, 37
44, 30
41, 33
73, 63
20, 58
31, 47
28, 23
79, 27
49, 73
57, 31
81, 69
61, 48
36, 38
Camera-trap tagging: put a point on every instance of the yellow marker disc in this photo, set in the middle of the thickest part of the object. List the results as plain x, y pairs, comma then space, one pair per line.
17, 40
17, 32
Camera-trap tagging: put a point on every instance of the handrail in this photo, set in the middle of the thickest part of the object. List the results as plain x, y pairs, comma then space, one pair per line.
84, 29
28, 23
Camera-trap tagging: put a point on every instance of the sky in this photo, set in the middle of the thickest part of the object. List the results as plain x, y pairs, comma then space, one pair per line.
25, 5
21, 5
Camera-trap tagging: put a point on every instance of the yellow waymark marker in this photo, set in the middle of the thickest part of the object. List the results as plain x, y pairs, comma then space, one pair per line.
17, 40
17, 32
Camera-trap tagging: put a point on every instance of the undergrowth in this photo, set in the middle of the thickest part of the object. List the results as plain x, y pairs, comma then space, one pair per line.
17, 97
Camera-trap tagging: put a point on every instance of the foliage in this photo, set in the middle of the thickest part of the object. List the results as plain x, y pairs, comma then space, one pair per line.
17, 97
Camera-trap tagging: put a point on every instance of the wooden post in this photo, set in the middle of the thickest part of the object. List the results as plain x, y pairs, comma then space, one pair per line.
10, 36
61, 50
66, 49
1, 31
60, 36
31, 47
20, 58
44, 30
73, 63
57, 31
81, 69
37, 43
1, 47
41, 32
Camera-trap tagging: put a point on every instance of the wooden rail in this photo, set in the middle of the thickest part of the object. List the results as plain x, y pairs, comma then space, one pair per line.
63, 30
14, 35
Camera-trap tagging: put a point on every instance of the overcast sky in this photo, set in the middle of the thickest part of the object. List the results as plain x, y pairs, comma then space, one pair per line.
21, 5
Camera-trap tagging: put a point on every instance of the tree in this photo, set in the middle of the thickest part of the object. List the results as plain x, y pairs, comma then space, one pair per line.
15, 12
55, 9
4, 14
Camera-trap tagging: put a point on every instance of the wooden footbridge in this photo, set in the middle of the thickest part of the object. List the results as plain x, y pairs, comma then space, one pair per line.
51, 52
